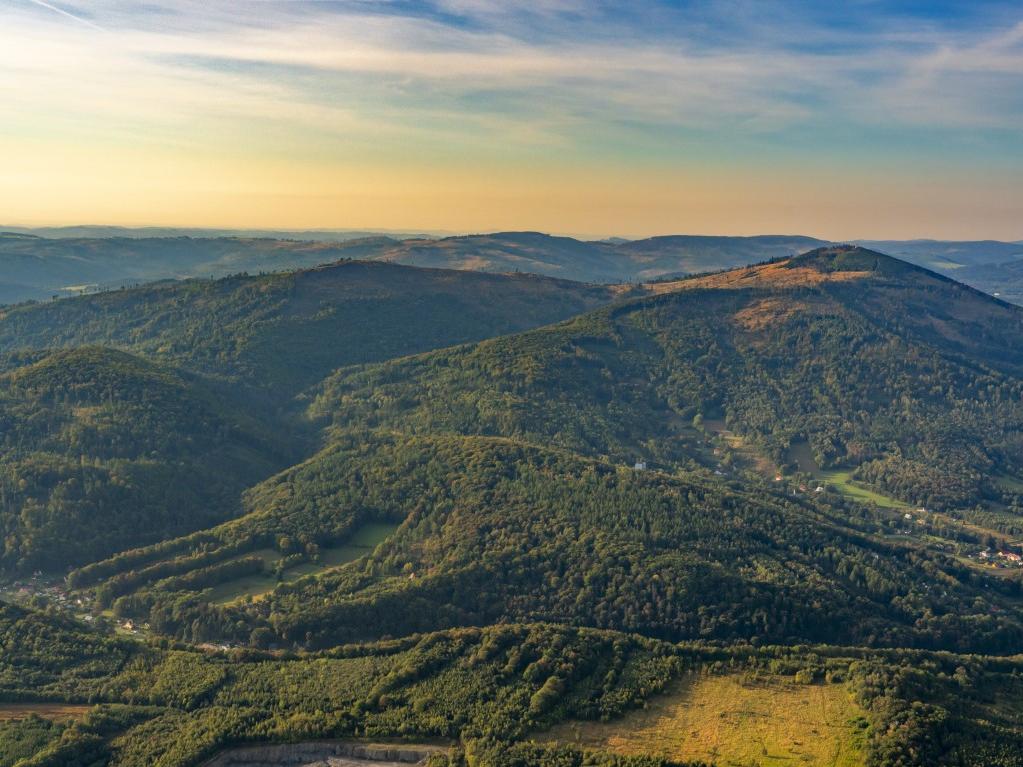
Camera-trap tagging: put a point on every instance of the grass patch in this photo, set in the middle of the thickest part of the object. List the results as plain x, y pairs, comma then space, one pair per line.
362, 542
842, 481
55, 711
734, 723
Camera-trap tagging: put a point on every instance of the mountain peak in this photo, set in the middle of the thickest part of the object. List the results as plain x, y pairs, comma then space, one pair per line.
831, 263
850, 258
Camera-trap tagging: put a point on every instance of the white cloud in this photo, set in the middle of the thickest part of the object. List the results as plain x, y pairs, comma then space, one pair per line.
364, 68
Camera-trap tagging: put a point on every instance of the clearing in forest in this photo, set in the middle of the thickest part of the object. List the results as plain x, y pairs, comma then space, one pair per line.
364, 540
56, 711
735, 723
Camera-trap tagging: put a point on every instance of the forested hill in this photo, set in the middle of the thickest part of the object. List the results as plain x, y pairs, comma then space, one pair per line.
57, 264
101, 450
39, 267
907, 379
282, 332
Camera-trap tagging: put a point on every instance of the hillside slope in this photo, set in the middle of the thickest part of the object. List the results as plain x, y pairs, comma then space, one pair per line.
287, 331
100, 450
910, 380
492, 530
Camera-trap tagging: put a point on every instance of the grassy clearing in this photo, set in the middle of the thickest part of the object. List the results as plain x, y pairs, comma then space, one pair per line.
842, 481
362, 542
56, 711
733, 723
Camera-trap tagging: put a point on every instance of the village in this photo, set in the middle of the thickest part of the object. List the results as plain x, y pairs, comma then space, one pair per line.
998, 558
43, 591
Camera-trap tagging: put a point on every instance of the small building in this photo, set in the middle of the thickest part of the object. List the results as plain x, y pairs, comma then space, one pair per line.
640, 466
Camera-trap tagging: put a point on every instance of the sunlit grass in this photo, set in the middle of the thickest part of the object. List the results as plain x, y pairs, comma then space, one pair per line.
732, 722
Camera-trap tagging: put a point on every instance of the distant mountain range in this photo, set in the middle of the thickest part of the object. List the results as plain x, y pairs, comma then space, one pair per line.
58, 262
149, 232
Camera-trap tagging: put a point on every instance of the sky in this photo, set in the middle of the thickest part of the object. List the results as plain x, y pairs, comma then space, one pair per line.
861, 119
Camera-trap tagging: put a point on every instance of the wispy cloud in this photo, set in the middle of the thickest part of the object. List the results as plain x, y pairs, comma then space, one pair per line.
486, 82
66, 14
479, 56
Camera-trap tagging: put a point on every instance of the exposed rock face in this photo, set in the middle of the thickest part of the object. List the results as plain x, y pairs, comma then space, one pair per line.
323, 754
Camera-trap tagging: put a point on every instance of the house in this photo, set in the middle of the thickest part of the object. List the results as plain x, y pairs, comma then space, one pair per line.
640, 466
1010, 556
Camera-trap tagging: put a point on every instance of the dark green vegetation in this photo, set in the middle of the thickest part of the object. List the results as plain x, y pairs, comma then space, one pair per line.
287, 331
104, 450
100, 450
909, 379
439, 541
496, 530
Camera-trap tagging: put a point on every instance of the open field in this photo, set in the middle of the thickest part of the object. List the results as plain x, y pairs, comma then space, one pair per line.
10, 711
365, 539
842, 481
733, 723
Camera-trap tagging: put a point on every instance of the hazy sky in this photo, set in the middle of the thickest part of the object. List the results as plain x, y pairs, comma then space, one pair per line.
867, 118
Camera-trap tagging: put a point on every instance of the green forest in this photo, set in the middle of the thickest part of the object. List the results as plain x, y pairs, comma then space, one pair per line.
388, 504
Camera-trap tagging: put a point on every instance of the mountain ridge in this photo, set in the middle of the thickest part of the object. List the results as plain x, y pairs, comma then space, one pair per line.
39, 268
